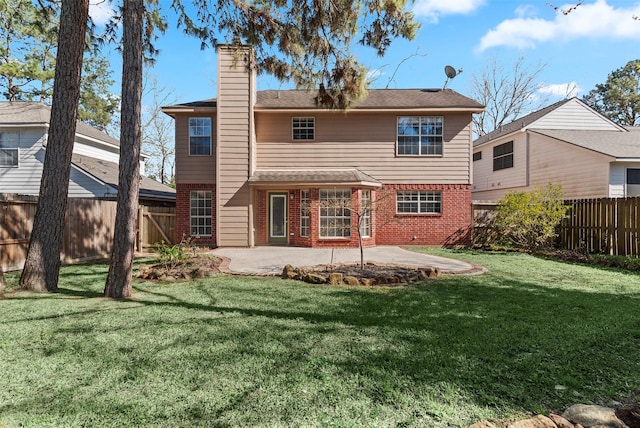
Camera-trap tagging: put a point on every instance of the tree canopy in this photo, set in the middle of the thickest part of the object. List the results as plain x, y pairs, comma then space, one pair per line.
619, 97
309, 42
28, 48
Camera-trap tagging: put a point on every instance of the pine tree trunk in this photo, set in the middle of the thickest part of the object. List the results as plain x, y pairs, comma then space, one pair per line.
42, 264
119, 279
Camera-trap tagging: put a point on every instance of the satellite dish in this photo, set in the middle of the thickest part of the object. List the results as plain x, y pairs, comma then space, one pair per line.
451, 73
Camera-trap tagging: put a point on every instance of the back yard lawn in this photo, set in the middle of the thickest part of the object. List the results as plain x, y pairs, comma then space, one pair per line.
532, 335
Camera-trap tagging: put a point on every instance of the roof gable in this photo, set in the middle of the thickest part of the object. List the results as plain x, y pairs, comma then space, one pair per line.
565, 114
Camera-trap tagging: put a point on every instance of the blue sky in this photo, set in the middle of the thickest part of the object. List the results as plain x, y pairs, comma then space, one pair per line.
579, 49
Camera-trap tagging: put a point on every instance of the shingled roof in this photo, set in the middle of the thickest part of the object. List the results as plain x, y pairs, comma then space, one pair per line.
107, 172
375, 99
518, 124
22, 113
325, 176
619, 144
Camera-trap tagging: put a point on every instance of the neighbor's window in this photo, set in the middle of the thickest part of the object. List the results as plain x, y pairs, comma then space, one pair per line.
304, 213
418, 202
303, 128
9, 151
365, 221
420, 135
201, 213
503, 156
477, 156
199, 136
335, 215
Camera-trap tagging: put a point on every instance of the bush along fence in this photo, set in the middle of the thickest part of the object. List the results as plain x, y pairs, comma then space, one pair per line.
88, 233
597, 226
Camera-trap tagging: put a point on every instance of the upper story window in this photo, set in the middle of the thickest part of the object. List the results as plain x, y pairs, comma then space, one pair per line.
477, 156
303, 128
503, 156
420, 135
9, 149
199, 136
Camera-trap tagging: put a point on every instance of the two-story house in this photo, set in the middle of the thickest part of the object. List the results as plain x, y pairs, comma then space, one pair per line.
566, 143
273, 167
24, 130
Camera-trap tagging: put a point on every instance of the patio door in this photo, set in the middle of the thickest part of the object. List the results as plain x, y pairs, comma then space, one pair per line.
278, 218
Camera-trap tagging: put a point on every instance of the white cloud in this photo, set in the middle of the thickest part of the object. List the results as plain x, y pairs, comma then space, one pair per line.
595, 20
433, 9
525, 10
561, 90
101, 11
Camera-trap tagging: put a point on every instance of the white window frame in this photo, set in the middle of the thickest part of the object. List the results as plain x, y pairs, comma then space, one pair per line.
303, 128
9, 149
305, 214
199, 128
418, 130
365, 220
418, 202
335, 214
200, 213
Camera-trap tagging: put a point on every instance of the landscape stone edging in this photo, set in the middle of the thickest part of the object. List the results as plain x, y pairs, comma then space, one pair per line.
312, 275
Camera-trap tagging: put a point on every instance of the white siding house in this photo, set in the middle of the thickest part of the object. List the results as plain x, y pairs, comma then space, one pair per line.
24, 129
567, 143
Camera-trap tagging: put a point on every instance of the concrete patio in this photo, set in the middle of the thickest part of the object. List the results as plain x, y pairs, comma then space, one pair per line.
270, 260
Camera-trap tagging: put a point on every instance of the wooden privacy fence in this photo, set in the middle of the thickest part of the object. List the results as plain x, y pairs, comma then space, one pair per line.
604, 225
88, 233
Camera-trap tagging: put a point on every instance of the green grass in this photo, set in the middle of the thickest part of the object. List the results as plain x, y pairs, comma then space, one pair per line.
531, 335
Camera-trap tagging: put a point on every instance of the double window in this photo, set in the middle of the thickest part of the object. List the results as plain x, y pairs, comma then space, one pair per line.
9, 149
335, 213
199, 136
201, 213
303, 128
418, 202
503, 156
420, 135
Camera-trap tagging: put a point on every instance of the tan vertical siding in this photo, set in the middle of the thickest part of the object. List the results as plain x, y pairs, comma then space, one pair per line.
235, 87
367, 141
194, 169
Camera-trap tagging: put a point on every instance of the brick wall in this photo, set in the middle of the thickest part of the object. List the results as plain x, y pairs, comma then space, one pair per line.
451, 227
183, 212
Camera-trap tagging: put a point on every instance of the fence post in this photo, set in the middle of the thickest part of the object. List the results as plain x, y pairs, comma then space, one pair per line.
140, 234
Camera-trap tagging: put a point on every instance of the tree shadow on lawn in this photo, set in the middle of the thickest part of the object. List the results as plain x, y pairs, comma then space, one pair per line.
512, 344
508, 345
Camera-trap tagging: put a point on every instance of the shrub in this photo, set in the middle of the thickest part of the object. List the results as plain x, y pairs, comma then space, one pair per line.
530, 219
171, 255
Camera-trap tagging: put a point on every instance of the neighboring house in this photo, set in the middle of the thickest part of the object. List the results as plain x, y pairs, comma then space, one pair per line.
272, 167
94, 171
567, 143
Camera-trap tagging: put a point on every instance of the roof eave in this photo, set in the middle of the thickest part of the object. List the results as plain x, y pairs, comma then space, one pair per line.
371, 109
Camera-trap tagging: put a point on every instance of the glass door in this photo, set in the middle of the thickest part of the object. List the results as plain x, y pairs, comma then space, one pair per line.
278, 218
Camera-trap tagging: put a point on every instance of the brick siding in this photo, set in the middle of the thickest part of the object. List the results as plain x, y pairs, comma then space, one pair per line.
183, 212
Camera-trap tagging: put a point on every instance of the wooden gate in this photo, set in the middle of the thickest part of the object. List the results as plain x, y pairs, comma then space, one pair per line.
156, 225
